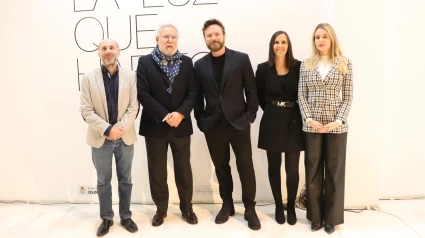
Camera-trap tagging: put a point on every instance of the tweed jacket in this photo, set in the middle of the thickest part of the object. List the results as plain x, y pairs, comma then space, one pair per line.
325, 100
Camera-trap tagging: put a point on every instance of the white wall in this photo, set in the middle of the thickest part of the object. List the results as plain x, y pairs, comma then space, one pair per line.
361, 40
403, 151
45, 156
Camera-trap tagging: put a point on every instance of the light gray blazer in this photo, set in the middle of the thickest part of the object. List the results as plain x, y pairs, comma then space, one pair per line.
94, 107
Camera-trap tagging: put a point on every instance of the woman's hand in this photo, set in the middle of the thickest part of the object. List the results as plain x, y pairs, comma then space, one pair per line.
317, 126
329, 127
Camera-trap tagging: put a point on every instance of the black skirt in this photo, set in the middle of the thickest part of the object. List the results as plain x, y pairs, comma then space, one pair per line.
281, 129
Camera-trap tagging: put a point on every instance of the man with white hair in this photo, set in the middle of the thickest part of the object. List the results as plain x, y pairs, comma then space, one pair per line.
109, 106
167, 90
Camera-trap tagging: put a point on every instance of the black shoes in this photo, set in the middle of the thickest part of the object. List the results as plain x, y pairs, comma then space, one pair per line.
252, 218
104, 227
229, 210
129, 225
226, 210
190, 217
329, 229
279, 214
158, 219
316, 226
292, 216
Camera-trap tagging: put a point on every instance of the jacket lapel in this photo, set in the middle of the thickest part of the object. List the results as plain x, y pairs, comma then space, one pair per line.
318, 76
161, 72
227, 67
332, 68
121, 79
101, 87
209, 71
275, 79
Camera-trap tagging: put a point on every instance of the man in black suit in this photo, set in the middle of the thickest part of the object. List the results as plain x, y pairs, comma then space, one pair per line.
167, 91
223, 76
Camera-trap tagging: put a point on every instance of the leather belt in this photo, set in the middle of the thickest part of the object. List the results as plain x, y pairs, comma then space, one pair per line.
284, 104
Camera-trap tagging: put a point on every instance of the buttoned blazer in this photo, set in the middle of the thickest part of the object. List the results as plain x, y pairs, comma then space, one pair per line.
94, 106
326, 100
237, 94
152, 84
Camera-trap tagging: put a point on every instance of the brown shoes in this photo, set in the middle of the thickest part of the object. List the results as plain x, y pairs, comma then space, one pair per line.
190, 217
158, 219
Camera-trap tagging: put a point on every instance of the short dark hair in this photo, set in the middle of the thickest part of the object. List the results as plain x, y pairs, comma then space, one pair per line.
290, 61
213, 22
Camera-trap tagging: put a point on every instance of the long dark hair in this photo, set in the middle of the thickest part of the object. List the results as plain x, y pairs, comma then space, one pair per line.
290, 61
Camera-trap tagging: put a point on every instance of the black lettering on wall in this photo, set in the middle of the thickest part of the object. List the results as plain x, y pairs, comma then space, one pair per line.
78, 75
107, 31
90, 10
75, 33
144, 5
132, 57
203, 3
144, 30
176, 5
202, 52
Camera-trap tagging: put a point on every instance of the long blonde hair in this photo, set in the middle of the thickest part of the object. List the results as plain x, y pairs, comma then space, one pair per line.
335, 51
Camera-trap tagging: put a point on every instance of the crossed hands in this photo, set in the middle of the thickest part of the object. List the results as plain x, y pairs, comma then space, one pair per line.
323, 128
174, 119
115, 133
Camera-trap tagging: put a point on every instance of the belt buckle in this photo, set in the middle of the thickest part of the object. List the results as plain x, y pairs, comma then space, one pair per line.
281, 104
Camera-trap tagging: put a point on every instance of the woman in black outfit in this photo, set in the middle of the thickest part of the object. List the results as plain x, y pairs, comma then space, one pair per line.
281, 125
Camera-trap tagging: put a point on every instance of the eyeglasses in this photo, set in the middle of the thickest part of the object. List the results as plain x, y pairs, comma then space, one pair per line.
171, 37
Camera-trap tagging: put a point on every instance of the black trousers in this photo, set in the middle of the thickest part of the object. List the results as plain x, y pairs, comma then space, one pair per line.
325, 177
157, 166
292, 161
219, 142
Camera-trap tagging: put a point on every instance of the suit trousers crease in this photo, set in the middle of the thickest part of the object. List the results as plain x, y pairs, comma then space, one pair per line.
325, 156
219, 142
292, 160
157, 166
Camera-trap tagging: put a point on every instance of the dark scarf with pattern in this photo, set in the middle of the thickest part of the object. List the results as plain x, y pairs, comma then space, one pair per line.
162, 61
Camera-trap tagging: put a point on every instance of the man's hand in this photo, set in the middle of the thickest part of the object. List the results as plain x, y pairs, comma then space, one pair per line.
174, 119
115, 133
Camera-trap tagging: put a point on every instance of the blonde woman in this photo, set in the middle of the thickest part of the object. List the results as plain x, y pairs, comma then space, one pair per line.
325, 94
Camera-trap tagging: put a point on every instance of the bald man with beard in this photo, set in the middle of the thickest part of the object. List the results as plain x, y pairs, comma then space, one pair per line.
109, 106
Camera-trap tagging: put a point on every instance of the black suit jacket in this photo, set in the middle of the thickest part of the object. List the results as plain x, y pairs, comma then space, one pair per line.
238, 83
152, 84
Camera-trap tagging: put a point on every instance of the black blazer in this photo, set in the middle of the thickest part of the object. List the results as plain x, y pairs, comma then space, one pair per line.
280, 127
152, 84
238, 78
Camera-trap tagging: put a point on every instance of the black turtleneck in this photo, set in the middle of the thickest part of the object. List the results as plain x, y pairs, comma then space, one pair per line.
218, 65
